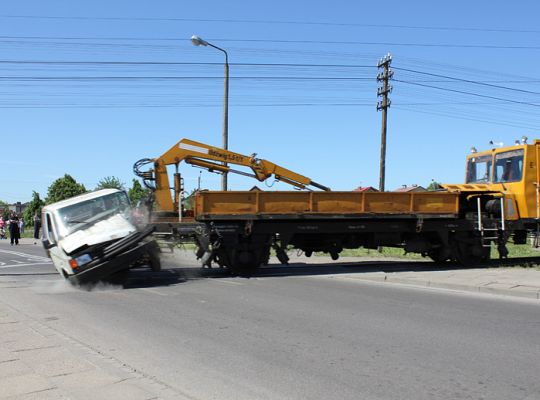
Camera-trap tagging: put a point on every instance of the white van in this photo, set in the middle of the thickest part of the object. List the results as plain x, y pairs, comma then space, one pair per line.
91, 236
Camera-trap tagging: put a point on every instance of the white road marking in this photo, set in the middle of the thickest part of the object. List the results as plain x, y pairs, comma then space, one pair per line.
18, 262
25, 255
227, 281
154, 291
26, 265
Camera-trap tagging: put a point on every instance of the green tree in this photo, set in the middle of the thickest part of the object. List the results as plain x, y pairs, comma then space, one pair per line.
137, 192
189, 201
5, 213
34, 206
433, 186
110, 182
64, 188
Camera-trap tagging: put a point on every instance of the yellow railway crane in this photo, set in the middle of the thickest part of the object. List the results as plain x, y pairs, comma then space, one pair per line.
205, 156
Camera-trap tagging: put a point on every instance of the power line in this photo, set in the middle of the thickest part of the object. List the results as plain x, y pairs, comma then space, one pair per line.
21, 39
467, 80
93, 38
182, 63
293, 65
469, 93
92, 78
290, 22
187, 105
460, 116
34, 78
145, 105
401, 44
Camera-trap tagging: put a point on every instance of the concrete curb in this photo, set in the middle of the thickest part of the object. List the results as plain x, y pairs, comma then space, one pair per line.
489, 288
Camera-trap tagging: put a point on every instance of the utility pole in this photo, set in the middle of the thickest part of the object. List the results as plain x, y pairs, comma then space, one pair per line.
383, 91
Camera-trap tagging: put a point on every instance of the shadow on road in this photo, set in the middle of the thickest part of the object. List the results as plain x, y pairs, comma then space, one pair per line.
181, 273
353, 267
143, 278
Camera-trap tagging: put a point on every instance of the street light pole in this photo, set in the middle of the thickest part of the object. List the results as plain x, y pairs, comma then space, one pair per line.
197, 41
225, 118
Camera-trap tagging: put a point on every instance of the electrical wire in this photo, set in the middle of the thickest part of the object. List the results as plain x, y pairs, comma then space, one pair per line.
466, 80
461, 117
52, 40
469, 93
182, 63
275, 22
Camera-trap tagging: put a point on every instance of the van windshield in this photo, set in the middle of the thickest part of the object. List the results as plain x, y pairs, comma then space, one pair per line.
81, 215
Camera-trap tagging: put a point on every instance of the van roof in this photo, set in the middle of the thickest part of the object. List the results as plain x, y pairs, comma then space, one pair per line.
77, 199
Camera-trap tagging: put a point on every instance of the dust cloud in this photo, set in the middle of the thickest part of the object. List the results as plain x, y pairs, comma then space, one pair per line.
185, 262
62, 286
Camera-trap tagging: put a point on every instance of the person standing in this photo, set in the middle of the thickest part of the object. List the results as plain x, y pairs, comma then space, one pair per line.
21, 226
37, 226
14, 233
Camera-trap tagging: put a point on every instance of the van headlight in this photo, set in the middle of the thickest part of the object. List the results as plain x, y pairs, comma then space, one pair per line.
77, 262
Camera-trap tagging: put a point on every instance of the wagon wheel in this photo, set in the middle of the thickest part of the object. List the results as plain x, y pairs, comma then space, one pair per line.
471, 255
438, 255
245, 263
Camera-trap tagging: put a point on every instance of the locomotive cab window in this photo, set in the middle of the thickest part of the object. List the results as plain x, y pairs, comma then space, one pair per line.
479, 169
509, 166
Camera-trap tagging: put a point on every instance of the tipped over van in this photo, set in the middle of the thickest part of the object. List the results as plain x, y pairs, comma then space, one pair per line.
92, 236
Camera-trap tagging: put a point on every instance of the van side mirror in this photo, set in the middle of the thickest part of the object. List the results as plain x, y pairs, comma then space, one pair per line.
47, 244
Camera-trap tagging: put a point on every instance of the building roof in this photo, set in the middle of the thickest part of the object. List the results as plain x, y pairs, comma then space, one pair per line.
412, 188
365, 189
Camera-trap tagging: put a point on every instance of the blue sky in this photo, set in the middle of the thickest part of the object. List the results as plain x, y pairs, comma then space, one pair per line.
110, 82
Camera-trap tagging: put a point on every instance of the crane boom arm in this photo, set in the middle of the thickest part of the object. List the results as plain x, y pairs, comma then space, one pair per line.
203, 155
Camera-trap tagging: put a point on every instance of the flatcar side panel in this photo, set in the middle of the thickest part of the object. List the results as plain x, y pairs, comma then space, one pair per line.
338, 202
284, 202
442, 203
324, 203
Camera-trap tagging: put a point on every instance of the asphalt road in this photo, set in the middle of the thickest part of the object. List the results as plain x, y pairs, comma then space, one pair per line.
290, 333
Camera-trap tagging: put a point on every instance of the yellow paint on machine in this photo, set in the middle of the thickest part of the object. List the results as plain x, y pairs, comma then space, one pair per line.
340, 203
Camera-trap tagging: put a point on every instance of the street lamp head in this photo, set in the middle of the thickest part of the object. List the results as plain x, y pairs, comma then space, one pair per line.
197, 41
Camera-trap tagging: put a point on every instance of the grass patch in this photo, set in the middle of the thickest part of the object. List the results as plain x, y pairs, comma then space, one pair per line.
521, 250
386, 252
514, 251
28, 233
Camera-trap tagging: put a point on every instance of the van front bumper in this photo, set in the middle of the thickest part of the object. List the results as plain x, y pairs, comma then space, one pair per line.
99, 269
